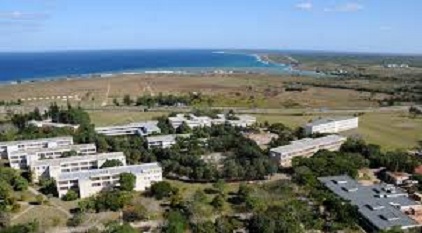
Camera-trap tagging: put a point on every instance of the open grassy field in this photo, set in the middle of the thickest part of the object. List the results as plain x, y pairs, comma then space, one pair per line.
391, 130
248, 90
116, 118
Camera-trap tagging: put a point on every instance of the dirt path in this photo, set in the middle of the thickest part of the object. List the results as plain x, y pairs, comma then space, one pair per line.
104, 103
61, 209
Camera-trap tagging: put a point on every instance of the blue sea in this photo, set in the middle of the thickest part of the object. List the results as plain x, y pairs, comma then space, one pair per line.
43, 65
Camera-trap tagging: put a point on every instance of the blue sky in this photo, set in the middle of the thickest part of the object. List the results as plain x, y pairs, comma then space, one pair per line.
333, 25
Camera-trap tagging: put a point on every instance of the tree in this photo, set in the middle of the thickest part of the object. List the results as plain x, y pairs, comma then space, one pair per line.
127, 100
116, 102
220, 186
162, 190
183, 129
127, 181
112, 163
20, 184
71, 195
176, 223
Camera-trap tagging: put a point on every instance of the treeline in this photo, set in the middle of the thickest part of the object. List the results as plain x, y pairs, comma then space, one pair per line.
164, 100
10, 103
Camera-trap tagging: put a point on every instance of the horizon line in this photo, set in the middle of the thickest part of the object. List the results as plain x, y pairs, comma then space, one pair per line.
217, 49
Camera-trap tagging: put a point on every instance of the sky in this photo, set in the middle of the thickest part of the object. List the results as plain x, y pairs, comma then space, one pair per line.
390, 26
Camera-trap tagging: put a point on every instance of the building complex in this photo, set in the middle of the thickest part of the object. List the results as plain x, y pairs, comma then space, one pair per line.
381, 206
51, 168
331, 125
138, 128
43, 143
90, 182
305, 148
201, 121
22, 159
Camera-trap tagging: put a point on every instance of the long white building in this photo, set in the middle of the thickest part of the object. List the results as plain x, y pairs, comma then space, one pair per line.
138, 128
161, 141
201, 121
22, 159
52, 168
88, 183
305, 147
11, 146
332, 125
49, 123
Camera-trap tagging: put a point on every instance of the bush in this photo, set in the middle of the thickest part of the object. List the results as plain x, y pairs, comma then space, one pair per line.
76, 220
162, 190
71, 195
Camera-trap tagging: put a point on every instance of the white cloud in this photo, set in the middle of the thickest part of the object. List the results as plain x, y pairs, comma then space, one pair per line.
348, 7
304, 6
18, 15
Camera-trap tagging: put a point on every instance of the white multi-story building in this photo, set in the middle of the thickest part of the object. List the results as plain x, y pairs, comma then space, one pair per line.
7, 147
138, 128
194, 121
22, 159
52, 168
49, 123
305, 148
332, 125
161, 141
88, 183
191, 120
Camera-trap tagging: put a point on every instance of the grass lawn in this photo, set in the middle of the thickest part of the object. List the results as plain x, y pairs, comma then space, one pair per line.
47, 216
390, 130
115, 118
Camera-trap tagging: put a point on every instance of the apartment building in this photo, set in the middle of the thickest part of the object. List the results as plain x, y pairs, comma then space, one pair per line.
191, 120
22, 159
162, 141
52, 168
194, 121
138, 128
11, 146
88, 183
332, 125
305, 147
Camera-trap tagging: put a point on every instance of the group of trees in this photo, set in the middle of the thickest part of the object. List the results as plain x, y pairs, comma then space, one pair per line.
163, 100
10, 180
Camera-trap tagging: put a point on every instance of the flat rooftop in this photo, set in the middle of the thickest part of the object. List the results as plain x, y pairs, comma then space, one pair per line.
135, 125
84, 175
305, 143
52, 149
329, 120
165, 138
58, 161
379, 203
12, 143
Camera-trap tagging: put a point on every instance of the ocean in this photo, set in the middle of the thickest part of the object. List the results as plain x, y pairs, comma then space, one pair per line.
48, 65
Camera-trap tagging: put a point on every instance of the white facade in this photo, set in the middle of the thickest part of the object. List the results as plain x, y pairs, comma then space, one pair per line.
49, 123
194, 121
332, 125
7, 147
52, 168
305, 147
92, 182
138, 128
162, 141
22, 159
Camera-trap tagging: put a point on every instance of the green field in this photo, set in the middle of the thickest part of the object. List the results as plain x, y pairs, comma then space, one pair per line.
115, 118
390, 130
